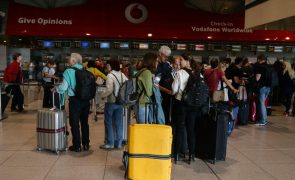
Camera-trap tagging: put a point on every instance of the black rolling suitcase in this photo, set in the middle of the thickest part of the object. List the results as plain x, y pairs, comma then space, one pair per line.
243, 114
212, 134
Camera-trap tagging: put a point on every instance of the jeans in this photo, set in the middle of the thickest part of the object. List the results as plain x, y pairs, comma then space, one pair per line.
235, 113
140, 114
79, 111
263, 93
113, 111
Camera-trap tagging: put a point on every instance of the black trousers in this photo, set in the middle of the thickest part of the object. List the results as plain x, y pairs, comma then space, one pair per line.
18, 97
287, 93
185, 121
47, 98
166, 105
79, 111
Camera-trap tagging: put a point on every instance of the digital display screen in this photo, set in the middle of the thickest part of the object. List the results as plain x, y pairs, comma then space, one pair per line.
143, 46
181, 46
288, 49
48, 44
271, 48
261, 48
278, 49
155, 46
104, 45
236, 48
253, 48
124, 45
85, 44
66, 44
200, 47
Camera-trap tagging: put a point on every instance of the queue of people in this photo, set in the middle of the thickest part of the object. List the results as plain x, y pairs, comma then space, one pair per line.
169, 75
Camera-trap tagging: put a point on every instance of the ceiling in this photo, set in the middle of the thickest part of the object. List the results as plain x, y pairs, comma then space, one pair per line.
217, 6
283, 24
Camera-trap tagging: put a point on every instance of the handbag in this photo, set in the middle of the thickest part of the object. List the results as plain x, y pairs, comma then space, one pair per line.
220, 95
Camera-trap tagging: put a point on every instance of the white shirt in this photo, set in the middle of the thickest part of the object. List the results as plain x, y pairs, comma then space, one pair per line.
179, 83
112, 84
50, 72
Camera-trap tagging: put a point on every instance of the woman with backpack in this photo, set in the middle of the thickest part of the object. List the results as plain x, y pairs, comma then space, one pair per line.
186, 114
113, 111
144, 82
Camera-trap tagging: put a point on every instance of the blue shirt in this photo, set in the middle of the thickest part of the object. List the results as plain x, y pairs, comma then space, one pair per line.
69, 81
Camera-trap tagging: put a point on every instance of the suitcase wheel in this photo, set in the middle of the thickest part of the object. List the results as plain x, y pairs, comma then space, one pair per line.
39, 149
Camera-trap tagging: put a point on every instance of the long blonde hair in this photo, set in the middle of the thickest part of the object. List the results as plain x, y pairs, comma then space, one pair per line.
288, 68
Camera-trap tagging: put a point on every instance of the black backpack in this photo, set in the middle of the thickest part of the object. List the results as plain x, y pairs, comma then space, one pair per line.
196, 92
85, 84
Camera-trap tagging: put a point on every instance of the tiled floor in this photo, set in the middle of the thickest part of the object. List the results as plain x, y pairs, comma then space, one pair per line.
253, 153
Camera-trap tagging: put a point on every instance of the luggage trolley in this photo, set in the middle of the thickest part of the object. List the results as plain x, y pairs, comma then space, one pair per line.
98, 103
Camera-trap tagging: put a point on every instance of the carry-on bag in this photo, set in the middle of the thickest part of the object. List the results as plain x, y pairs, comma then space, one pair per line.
126, 118
51, 129
149, 152
211, 145
243, 113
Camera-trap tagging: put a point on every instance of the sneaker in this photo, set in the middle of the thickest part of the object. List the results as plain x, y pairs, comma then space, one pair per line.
263, 124
106, 147
119, 147
86, 147
258, 124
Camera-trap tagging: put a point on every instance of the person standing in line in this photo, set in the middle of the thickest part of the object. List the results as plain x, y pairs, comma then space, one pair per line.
263, 82
145, 86
288, 87
48, 78
113, 111
79, 109
163, 72
13, 74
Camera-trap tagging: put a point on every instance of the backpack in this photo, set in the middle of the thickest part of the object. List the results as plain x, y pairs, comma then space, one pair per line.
196, 92
85, 84
127, 94
272, 78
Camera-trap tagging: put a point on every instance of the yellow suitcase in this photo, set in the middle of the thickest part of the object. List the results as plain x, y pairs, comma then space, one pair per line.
149, 152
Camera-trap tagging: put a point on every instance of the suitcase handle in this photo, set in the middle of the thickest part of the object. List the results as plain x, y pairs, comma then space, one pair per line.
53, 102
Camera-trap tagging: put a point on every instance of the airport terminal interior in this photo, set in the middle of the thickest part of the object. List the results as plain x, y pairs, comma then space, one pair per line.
234, 139
252, 153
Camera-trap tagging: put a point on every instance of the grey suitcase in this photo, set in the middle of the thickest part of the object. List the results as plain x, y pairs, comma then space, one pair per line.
126, 122
51, 130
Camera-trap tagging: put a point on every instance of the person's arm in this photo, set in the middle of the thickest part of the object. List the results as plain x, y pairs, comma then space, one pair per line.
176, 84
225, 80
100, 74
109, 87
63, 87
167, 91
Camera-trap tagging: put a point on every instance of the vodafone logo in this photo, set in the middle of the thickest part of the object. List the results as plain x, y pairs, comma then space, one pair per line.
136, 13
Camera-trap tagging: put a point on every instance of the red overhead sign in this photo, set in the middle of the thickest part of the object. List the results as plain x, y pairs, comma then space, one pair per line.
142, 19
